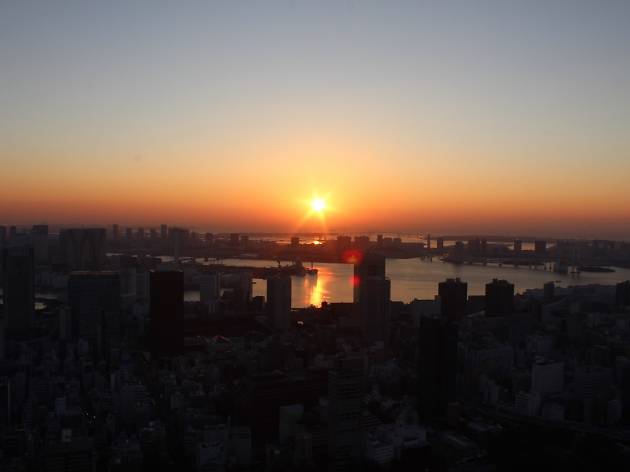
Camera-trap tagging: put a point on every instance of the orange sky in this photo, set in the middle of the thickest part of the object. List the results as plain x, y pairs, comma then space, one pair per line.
230, 116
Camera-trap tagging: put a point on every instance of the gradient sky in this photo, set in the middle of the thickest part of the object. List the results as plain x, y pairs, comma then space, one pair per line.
472, 116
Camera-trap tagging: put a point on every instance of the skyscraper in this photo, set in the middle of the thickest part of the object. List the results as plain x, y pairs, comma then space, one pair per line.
163, 232
209, 290
372, 297
39, 236
83, 248
19, 295
279, 301
453, 295
499, 298
95, 306
167, 312
437, 367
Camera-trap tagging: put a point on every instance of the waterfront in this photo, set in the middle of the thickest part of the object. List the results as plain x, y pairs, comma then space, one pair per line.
416, 278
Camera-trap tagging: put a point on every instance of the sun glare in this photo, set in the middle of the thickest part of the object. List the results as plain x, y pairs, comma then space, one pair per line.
318, 205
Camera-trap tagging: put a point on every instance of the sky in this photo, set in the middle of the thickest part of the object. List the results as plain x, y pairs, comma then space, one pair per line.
478, 116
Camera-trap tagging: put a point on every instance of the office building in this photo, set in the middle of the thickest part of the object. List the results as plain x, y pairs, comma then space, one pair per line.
18, 281
279, 301
167, 312
83, 248
346, 389
437, 367
372, 297
95, 309
453, 295
499, 298
39, 237
209, 290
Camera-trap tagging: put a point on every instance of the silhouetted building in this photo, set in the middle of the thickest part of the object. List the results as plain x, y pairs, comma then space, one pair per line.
210, 290
437, 367
178, 237
167, 312
540, 247
279, 301
39, 236
115, 232
163, 232
234, 239
19, 293
83, 248
295, 241
346, 385
622, 294
453, 295
95, 307
372, 297
499, 298
440, 243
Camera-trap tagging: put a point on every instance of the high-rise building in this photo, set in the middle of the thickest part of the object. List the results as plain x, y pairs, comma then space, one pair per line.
622, 294
3, 236
83, 248
163, 232
95, 308
179, 237
18, 287
209, 290
372, 292
453, 295
279, 301
499, 298
437, 367
167, 312
140, 233
115, 232
129, 233
234, 239
346, 389
39, 236
540, 247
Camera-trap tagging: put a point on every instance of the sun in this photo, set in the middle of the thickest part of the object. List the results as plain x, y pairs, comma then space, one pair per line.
318, 205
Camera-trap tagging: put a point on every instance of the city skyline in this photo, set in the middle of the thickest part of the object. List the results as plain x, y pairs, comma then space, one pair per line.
450, 117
